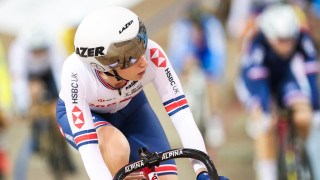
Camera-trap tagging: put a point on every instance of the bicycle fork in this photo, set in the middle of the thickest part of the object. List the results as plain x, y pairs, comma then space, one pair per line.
153, 159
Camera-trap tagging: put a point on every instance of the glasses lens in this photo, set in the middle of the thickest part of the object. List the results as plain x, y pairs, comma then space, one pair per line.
125, 54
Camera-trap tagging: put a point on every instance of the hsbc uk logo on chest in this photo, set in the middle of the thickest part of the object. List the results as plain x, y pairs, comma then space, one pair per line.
77, 116
158, 58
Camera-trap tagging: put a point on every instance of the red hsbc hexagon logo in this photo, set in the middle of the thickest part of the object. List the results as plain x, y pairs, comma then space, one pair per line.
155, 177
157, 57
77, 117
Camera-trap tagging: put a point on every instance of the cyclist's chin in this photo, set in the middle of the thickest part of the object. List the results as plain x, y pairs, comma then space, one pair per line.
284, 51
139, 78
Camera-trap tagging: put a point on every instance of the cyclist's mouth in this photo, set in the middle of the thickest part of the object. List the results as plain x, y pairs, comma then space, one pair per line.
142, 73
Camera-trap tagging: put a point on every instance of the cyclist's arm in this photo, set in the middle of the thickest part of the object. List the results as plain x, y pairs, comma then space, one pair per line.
169, 88
73, 93
251, 86
311, 68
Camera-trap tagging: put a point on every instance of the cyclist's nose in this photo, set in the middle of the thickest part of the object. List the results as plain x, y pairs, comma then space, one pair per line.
143, 61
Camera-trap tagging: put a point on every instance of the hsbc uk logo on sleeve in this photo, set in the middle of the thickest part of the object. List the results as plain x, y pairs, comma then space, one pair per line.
77, 116
157, 57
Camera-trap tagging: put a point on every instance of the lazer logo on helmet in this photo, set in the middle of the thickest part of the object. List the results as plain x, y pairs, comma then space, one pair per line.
125, 26
90, 52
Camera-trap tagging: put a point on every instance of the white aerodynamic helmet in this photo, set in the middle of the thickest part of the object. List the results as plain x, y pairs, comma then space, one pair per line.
279, 21
110, 38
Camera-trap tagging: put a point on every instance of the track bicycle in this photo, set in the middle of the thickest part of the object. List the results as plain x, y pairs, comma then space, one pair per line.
145, 167
293, 160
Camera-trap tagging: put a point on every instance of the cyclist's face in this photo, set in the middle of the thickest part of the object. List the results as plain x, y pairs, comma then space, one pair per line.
283, 47
136, 71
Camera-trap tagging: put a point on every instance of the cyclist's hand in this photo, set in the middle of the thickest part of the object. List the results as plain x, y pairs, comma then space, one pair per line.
223, 178
205, 176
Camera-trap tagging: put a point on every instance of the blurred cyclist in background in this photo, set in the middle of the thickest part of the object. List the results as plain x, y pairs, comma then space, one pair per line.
35, 67
278, 62
197, 50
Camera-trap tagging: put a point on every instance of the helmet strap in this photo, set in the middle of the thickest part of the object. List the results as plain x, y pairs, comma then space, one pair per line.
115, 75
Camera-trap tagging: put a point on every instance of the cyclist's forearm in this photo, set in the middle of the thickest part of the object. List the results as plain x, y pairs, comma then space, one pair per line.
189, 134
188, 130
93, 162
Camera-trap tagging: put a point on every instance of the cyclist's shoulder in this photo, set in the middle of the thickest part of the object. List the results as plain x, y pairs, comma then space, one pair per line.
152, 44
258, 38
156, 55
75, 65
253, 41
71, 60
254, 50
306, 45
154, 50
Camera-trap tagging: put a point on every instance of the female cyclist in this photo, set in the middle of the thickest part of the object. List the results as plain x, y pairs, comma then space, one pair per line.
102, 110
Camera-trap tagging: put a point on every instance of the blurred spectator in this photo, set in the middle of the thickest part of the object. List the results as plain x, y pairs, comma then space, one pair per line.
278, 65
197, 51
5, 91
314, 21
35, 66
315, 6
5, 112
